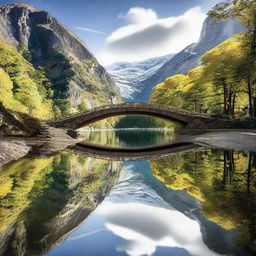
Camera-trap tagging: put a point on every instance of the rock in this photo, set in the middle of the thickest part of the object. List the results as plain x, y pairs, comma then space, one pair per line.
12, 151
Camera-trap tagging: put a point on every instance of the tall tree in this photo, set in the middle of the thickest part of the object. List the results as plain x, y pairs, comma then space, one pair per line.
221, 63
245, 12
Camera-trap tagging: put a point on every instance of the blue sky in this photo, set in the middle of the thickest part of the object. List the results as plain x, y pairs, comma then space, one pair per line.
119, 30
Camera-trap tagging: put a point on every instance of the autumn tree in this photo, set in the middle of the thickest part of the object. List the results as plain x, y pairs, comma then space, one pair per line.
245, 12
221, 68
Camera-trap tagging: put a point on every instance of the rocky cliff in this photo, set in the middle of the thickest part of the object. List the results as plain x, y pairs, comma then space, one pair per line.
77, 80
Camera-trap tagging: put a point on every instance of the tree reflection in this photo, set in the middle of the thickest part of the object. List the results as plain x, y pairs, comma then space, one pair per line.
223, 181
44, 199
129, 138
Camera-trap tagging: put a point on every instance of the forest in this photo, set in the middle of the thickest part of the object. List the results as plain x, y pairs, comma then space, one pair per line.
224, 83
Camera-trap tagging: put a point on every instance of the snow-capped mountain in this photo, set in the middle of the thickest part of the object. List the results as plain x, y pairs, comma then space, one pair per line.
136, 80
213, 33
129, 75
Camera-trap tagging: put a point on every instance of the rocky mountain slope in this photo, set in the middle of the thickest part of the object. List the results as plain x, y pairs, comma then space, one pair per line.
77, 80
129, 75
212, 34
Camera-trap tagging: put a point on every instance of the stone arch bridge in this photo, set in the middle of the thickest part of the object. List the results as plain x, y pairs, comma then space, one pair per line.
185, 118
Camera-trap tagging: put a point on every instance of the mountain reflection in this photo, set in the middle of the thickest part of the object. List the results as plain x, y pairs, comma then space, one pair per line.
224, 183
198, 203
43, 200
145, 216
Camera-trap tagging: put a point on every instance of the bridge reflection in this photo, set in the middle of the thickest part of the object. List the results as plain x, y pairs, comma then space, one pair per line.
133, 154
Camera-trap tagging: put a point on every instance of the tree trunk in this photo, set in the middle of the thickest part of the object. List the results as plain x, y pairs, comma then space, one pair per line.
249, 91
254, 106
225, 99
249, 170
229, 110
224, 179
254, 33
233, 105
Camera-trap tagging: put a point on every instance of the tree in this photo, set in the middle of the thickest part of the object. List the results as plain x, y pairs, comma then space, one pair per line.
171, 91
222, 63
245, 12
198, 93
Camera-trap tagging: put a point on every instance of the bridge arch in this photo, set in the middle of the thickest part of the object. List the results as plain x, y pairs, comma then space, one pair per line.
143, 153
103, 116
154, 110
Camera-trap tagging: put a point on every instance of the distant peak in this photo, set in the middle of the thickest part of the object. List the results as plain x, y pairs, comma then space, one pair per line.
21, 4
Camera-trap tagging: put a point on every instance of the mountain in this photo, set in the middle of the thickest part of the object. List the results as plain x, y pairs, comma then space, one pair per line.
129, 75
212, 34
75, 80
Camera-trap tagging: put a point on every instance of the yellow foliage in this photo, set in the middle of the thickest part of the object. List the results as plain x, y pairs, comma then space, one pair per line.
215, 178
201, 90
229, 49
6, 94
16, 72
5, 185
17, 180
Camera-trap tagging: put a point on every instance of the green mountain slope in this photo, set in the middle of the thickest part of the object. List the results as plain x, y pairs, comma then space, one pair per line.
52, 72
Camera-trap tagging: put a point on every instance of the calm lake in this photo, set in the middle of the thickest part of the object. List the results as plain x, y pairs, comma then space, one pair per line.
199, 203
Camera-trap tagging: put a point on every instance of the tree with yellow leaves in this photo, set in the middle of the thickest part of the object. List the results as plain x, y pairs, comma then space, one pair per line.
245, 12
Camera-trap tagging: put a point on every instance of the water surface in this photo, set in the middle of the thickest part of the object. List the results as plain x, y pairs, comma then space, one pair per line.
198, 203
129, 137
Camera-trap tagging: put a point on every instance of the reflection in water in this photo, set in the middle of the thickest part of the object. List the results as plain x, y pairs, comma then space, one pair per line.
200, 203
141, 212
45, 199
223, 181
129, 137
152, 219
146, 227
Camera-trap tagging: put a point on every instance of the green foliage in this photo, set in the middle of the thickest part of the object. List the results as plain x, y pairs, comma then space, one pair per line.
218, 87
245, 12
82, 107
23, 50
133, 121
17, 180
218, 179
62, 107
27, 89
35, 190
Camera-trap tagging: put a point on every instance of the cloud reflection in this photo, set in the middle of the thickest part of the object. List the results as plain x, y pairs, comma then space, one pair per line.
145, 227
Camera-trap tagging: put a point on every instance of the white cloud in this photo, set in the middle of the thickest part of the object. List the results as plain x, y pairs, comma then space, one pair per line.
90, 30
146, 35
138, 15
